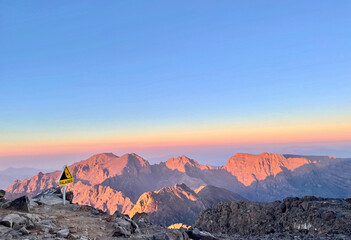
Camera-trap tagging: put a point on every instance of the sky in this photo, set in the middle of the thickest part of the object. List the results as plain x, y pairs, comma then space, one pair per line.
166, 78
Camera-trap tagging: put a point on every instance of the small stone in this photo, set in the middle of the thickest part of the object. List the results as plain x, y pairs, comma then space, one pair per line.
69, 196
73, 229
63, 233
121, 232
24, 231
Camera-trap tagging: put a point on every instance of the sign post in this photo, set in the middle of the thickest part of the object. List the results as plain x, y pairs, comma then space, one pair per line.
65, 178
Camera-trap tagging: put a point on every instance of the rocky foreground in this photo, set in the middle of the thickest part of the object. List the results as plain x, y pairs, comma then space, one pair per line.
45, 217
293, 218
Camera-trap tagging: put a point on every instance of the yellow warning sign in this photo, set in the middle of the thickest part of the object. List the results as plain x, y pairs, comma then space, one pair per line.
66, 177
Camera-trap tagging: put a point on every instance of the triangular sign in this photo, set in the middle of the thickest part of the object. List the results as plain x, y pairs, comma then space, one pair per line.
65, 177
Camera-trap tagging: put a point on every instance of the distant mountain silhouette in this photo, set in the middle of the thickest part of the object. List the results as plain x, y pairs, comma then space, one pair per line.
9, 175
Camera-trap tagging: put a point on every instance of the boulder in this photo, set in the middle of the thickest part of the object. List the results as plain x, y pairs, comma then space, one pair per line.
196, 234
121, 232
51, 196
24, 231
4, 230
13, 220
141, 217
46, 226
21, 204
123, 221
69, 196
19, 220
63, 233
2, 193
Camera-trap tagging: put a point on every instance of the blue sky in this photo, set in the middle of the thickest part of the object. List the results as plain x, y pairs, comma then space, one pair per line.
79, 69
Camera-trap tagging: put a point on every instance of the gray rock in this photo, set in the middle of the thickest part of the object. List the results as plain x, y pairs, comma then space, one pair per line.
4, 230
17, 221
21, 204
48, 199
52, 196
63, 233
125, 222
47, 226
24, 231
121, 232
73, 229
141, 217
12, 220
308, 215
196, 234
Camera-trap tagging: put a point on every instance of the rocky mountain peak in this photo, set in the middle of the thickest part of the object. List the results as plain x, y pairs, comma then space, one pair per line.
135, 159
182, 162
162, 205
134, 164
100, 158
167, 205
249, 167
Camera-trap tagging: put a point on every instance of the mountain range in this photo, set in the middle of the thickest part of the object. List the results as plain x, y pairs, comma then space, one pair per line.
131, 184
9, 175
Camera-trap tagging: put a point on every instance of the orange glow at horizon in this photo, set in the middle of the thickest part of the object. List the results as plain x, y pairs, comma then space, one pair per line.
201, 136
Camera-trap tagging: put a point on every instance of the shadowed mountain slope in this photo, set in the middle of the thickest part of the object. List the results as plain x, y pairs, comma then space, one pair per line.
180, 204
331, 178
211, 195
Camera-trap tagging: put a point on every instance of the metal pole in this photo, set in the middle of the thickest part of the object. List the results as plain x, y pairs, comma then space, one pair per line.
64, 194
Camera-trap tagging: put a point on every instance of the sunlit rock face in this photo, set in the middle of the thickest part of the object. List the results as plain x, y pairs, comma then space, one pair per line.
249, 168
180, 204
89, 176
101, 197
167, 205
180, 164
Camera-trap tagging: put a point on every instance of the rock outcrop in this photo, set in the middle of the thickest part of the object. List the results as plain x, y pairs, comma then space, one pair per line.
169, 205
182, 163
249, 168
327, 177
211, 195
179, 204
315, 216
101, 197
21, 204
